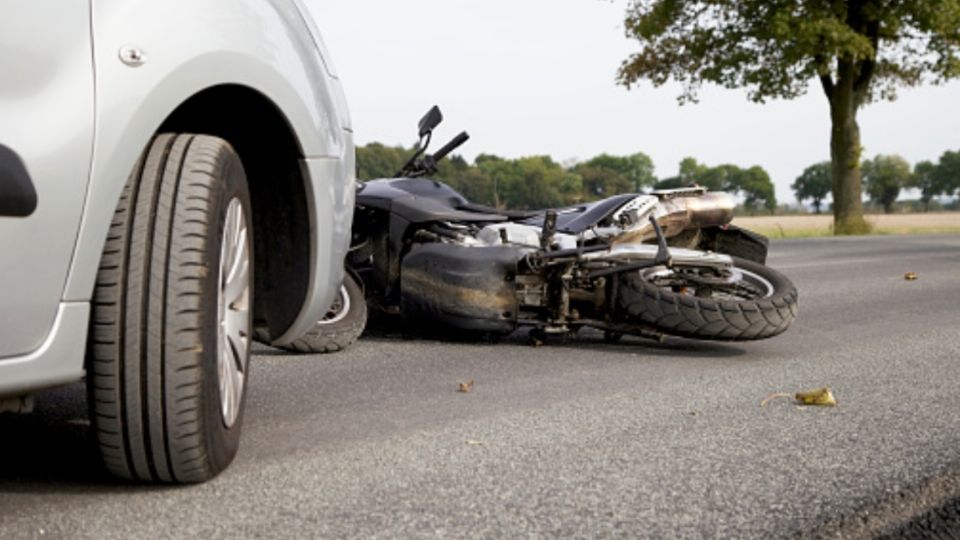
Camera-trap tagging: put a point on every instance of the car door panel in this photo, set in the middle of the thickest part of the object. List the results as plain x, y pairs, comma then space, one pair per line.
46, 140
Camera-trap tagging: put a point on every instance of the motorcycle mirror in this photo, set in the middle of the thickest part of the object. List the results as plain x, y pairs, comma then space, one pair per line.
430, 120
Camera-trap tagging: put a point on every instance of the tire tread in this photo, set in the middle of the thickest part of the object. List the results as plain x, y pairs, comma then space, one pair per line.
646, 305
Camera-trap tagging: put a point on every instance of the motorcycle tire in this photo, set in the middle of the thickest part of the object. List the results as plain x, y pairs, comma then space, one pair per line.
339, 328
643, 303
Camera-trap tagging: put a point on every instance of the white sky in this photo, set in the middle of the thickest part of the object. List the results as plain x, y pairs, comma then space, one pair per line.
532, 77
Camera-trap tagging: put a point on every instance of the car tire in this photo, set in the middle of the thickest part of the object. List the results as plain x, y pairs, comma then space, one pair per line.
340, 327
170, 334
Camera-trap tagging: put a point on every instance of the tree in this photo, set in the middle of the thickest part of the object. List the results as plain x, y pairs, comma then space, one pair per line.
885, 176
925, 179
692, 172
378, 161
813, 184
637, 169
947, 173
753, 184
859, 50
600, 182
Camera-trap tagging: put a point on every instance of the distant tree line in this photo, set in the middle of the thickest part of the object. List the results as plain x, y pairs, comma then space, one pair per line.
884, 177
541, 182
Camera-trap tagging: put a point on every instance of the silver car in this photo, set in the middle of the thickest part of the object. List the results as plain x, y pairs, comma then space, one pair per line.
173, 175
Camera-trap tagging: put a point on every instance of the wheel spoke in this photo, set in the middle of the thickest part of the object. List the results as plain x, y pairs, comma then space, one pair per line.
234, 311
235, 289
239, 345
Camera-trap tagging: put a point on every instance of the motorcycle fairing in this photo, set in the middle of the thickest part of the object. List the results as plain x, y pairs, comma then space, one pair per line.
418, 200
469, 288
577, 219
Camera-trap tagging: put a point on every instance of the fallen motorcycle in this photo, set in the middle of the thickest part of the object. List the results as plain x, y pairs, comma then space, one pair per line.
661, 264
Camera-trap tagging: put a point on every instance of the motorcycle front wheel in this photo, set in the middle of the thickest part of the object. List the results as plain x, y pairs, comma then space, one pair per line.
748, 302
338, 329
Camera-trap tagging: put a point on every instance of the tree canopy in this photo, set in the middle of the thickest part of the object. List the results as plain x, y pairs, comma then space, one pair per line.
885, 176
813, 184
540, 181
947, 173
753, 183
858, 50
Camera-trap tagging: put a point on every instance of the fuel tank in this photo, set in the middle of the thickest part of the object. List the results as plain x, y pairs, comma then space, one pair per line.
467, 288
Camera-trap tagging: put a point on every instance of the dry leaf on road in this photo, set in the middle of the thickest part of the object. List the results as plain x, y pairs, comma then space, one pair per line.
821, 396
466, 387
910, 276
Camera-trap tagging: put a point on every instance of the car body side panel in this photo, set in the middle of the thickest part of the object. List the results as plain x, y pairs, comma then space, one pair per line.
189, 46
59, 360
46, 129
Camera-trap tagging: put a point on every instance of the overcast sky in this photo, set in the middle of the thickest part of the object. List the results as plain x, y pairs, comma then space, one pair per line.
532, 77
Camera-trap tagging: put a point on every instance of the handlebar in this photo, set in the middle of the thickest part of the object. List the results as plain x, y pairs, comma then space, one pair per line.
451, 146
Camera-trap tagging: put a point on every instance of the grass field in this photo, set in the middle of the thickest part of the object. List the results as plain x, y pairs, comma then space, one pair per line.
822, 225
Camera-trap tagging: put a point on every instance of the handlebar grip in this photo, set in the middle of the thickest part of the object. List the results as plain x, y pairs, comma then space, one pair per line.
451, 146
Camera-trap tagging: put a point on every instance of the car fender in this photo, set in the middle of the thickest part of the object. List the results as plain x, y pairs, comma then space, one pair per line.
150, 57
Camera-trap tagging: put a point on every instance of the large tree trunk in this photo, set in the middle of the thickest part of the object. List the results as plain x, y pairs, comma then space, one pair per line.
845, 149
847, 184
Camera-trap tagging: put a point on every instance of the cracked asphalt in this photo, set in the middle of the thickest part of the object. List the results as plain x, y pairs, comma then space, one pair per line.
577, 438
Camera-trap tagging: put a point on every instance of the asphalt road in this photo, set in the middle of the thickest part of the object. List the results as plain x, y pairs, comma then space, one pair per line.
579, 439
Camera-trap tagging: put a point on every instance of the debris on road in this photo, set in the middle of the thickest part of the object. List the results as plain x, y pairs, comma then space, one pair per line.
821, 396
910, 276
471, 442
466, 387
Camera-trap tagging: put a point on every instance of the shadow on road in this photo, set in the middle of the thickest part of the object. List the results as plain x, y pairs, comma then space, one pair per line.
52, 449
586, 340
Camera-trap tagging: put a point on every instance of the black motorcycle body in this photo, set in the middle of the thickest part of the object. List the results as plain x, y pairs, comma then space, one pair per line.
665, 263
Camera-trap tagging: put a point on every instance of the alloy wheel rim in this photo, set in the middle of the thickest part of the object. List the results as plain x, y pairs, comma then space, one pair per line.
233, 312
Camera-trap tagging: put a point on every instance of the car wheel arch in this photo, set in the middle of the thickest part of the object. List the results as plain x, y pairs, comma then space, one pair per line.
271, 154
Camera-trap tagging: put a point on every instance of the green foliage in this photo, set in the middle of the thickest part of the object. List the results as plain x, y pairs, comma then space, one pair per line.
859, 50
947, 172
775, 48
528, 182
601, 182
753, 184
673, 182
813, 184
756, 187
636, 170
885, 176
540, 182
533, 182
927, 181
378, 161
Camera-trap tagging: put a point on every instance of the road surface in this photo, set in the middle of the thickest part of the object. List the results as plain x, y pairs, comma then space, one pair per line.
580, 438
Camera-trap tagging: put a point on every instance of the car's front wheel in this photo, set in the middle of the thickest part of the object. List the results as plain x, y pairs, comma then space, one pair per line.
171, 324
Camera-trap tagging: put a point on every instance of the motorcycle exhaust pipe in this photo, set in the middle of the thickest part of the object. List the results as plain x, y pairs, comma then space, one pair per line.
711, 209
678, 214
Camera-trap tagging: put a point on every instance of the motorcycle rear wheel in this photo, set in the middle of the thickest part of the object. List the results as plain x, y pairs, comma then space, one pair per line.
760, 304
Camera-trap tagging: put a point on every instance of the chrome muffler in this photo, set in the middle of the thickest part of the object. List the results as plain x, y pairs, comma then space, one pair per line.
678, 210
